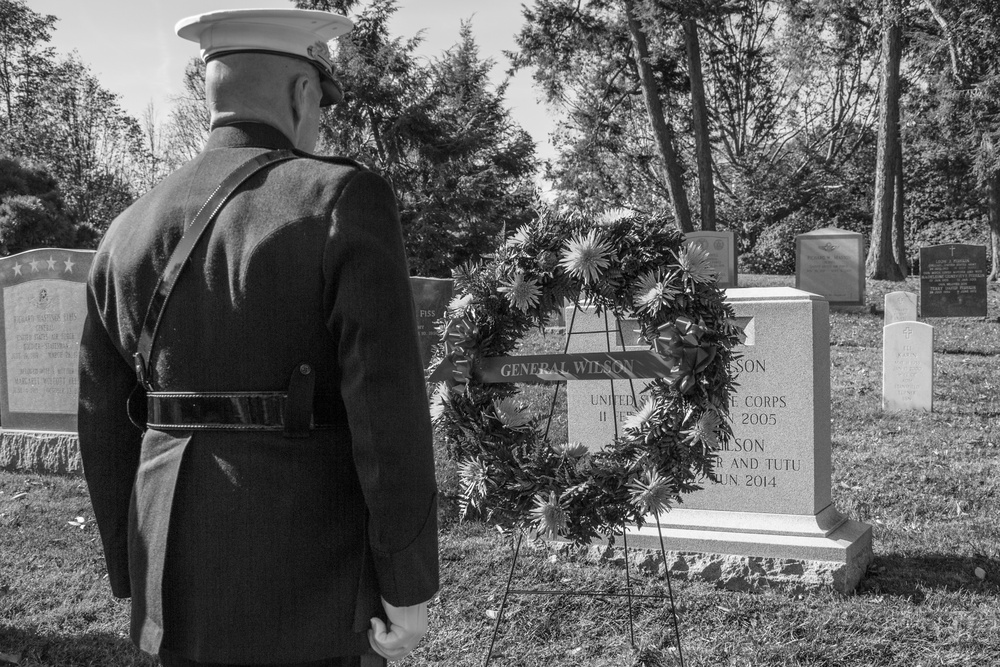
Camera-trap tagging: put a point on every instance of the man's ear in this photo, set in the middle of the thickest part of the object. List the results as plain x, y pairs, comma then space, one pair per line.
300, 97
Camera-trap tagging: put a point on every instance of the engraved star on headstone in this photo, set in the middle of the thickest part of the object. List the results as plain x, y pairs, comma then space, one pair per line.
69, 264
17, 268
52, 263
34, 265
749, 329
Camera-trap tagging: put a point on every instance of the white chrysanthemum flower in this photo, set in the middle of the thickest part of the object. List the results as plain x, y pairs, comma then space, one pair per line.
696, 263
586, 257
572, 450
548, 515
522, 292
705, 430
613, 215
653, 293
521, 237
459, 305
473, 479
638, 420
511, 413
440, 400
651, 493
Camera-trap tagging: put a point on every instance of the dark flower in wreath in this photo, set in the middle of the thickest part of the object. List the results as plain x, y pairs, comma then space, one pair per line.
547, 261
653, 293
570, 450
705, 431
511, 414
696, 264
522, 293
455, 368
681, 342
548, 515
474, 476
651, 493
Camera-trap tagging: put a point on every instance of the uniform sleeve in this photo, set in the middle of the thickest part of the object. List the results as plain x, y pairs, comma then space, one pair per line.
109, 442
371, 315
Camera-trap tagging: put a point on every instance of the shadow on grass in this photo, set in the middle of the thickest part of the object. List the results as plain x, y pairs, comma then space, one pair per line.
34, 648
913, 577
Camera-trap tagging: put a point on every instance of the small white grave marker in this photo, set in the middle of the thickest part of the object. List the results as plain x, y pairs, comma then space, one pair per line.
908, 367
900, 307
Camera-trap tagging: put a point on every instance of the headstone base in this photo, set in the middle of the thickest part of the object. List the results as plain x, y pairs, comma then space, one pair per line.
34, 451
741, 573
762, 546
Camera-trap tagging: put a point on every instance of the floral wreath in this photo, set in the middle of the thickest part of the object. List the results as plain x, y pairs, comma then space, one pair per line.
635, 267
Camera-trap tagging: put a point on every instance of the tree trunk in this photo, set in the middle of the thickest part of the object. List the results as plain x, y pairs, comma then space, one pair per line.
673, 173
899, 218
881, 262
703, 147
993, 187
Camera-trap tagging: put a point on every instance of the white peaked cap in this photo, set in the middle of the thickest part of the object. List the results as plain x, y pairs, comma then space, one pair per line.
300, 33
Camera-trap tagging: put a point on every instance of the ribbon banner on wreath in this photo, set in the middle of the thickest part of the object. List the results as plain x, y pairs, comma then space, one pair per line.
558, 367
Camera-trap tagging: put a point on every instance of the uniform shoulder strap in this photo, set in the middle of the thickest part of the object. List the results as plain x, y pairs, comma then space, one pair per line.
178, 258
333, 159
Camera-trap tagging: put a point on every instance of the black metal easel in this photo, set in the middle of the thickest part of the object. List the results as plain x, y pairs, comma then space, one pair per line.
508, 590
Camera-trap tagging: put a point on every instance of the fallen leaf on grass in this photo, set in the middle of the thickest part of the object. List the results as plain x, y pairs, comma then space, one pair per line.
980, 574
10, 659
78, 522
18, 497
491, 614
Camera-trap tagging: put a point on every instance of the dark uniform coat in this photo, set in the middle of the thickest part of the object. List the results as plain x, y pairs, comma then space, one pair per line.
249, 547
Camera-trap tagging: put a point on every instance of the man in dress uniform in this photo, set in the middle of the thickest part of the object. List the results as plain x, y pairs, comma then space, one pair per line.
253, 418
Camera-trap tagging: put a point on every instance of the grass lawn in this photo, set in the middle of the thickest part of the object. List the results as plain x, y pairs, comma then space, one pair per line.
928, 483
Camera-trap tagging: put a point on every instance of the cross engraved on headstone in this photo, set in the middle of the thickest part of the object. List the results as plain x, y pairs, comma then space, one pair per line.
907, 332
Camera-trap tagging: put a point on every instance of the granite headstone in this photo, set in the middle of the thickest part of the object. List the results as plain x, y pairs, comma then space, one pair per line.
831, 262
597, 409
953, 280
430, 297
721, 249
43, 305
772, 498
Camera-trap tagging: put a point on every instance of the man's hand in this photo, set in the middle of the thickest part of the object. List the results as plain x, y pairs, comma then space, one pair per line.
406, 626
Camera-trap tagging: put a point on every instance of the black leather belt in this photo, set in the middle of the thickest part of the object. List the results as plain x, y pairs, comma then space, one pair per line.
243, 411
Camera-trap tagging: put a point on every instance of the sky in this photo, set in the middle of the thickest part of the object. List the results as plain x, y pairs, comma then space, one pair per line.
131, 47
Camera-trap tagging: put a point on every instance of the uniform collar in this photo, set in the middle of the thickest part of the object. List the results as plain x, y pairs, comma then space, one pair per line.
244, 135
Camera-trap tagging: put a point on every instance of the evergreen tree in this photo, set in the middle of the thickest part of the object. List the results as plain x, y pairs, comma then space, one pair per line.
439, 132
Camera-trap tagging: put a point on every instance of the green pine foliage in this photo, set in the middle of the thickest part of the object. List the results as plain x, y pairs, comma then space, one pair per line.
440, 132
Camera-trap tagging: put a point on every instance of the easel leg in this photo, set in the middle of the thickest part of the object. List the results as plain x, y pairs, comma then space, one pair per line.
670, 591
503, 602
